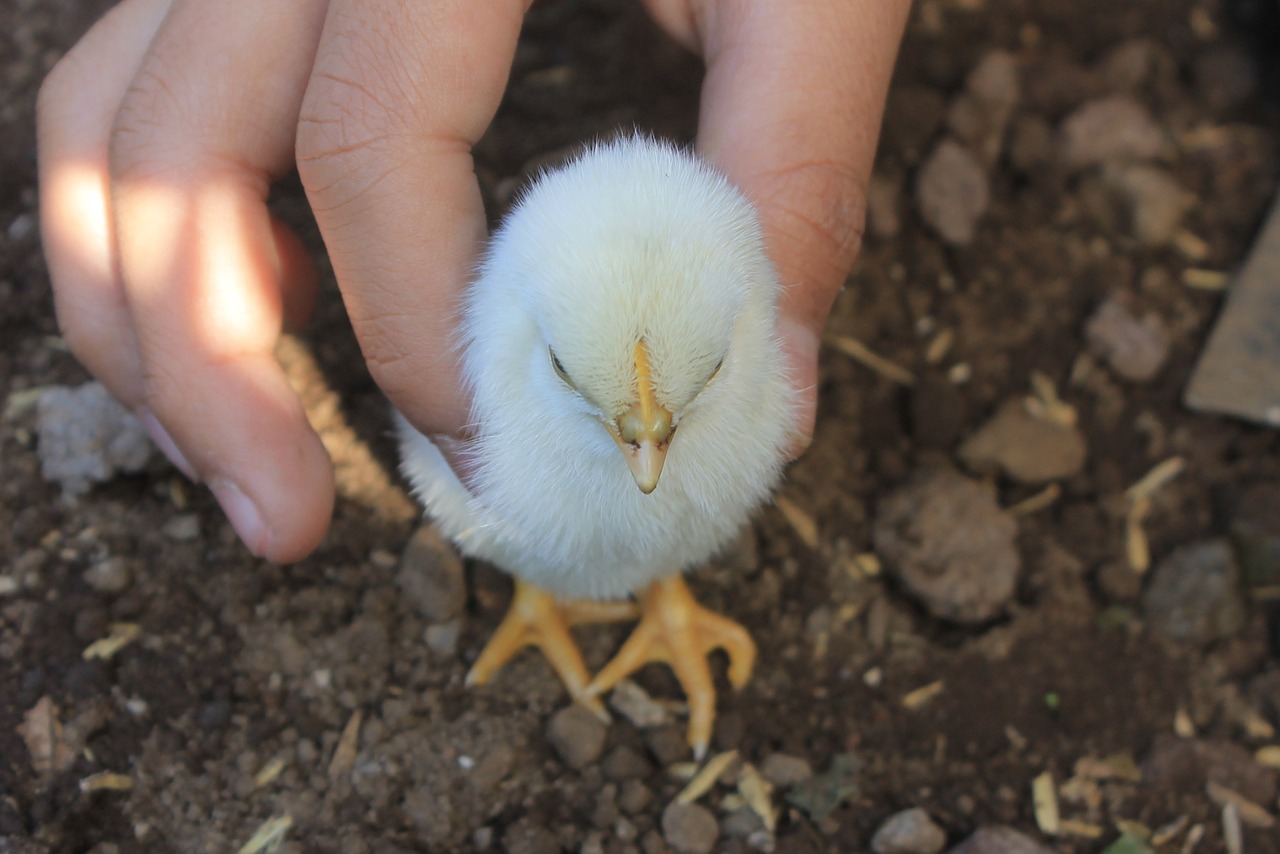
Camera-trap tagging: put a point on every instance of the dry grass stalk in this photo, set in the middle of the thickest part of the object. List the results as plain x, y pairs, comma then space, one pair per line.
803, 524
860, 353
706, 778
1201, 279
120, 636
344, 755
1035, 503
268, 836
922, 695
1044, 799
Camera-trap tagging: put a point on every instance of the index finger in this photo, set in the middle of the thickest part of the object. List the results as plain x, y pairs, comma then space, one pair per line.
791, 110
398, 95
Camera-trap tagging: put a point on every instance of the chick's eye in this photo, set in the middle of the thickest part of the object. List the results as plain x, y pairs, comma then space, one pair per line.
559, 368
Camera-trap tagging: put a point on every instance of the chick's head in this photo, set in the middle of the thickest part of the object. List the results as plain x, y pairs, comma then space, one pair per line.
637, 304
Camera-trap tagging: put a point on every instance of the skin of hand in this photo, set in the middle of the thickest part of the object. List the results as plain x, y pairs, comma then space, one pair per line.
161, 131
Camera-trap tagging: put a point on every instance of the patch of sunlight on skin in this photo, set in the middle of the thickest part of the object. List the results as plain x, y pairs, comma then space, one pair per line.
86, 231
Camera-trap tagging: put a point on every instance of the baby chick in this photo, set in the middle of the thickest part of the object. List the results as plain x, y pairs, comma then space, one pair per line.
631, 409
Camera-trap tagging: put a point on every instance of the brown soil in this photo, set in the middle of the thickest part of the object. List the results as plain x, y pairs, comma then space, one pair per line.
240, 663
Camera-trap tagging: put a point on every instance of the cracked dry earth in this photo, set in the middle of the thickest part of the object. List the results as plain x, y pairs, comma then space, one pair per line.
1015, 598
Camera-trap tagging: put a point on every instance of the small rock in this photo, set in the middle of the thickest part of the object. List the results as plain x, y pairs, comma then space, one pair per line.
667, 744
109, 576
883, 197
577, 735
442, 638
952, 192
741, 823
909, 832
1030, 144
430, 576
1187, 764
528, 836
998, 839
1116, 128
624, 764
182, 529
1155, 201
1193, 594
980, 115
1027, 449
1135, 348
634, 797
1128, 67
951, 544
690, 828
783, 770
86, 437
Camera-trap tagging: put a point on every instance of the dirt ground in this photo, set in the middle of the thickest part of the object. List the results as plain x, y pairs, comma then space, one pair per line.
325, 699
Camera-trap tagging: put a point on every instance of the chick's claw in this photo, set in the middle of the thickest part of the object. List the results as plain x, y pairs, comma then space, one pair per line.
536, 618
676, 630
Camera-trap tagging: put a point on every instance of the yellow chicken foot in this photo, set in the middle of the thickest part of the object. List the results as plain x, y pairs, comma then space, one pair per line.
676, 630
535, 618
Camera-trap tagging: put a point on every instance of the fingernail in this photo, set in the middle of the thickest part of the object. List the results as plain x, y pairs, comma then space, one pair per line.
165, 443
800, 344
243, 515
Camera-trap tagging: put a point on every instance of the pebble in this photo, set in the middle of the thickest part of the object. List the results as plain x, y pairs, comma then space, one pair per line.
108, 576
86, 437
667, 744
430, 576
951, 545
980, 115
527, 836
1112, 129
623, 763
1030, 144
952, 192
1128, 66
909, 832
634, 797
442, 638
1193, 595
1156, 202
998, 839
783, 770
690, 828
576, 735
182, 529
1135, 347
1025, 448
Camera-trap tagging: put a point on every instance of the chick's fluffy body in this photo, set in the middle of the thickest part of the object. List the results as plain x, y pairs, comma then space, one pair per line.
635, 240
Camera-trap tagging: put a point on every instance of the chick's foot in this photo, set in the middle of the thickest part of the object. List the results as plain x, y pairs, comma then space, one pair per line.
536, 618
676, 630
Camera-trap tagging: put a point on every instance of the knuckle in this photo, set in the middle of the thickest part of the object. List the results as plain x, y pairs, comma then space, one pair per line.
821, 204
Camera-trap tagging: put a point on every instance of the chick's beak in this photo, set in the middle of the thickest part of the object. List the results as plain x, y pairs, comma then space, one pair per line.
643, 432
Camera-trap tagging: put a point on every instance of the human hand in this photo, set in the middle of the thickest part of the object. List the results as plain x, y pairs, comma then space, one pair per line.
159, 136
791, 111
162, 129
